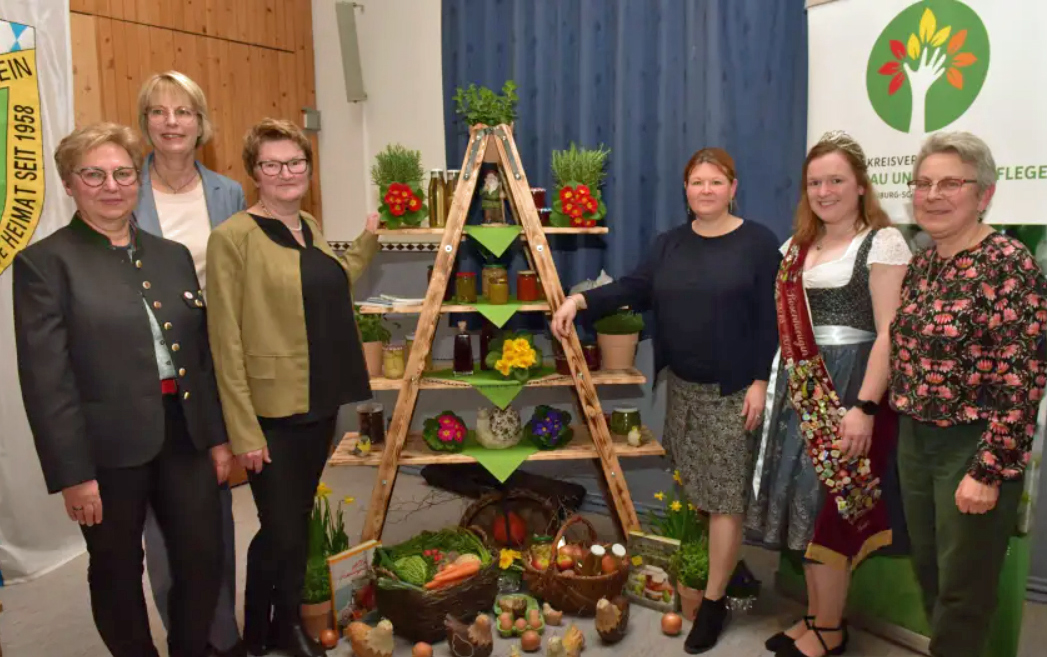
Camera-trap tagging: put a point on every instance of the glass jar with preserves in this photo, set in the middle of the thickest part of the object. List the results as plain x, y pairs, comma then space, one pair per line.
428, 354
437, 195
498, 287
463, 351
393, 360
465, 287
526, 286
371, 420
592, 356
490, 272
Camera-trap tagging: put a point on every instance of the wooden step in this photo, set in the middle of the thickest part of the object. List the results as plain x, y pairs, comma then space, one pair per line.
548, 230
416, 452
631, 376
415, 309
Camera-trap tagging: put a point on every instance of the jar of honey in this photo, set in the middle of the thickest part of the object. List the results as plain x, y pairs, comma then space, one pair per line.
526, 286
498, 286
465, 287
490, 272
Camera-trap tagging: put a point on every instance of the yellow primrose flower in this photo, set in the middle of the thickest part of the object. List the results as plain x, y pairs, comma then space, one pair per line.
637, 561
348, 499
503, 367
676, 506
676, 477
660, 496
323, 490
507, 558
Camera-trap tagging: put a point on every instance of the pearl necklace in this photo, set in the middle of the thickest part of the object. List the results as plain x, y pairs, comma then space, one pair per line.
265, 209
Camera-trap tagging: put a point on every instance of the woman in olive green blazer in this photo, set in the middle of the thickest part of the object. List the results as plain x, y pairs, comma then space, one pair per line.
287, 355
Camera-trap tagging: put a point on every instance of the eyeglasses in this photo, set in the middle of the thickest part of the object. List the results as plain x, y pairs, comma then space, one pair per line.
273, 167
94, 177
946, 186
183, 115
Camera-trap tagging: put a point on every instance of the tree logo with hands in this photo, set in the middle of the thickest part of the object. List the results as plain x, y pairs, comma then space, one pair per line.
928, 66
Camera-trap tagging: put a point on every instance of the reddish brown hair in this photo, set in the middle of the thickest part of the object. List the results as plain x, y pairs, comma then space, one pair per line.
807, 225
718, 157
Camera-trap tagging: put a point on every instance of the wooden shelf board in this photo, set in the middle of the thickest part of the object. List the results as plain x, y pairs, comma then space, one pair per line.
631, 376
548, 230
365, 309
416, 452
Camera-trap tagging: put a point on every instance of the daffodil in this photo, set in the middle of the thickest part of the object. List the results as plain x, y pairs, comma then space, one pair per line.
677, 478
660, 496
676, 506
691, 507
323, 490
637, 561
507, 558
348, 499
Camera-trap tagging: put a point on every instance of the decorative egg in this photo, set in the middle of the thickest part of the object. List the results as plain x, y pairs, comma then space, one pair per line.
505, 621
422, 649
498, 428
328, 638
530, 641
672, 624
521, 625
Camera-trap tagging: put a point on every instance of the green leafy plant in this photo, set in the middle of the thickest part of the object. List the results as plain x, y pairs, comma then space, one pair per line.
578, 173
678, 518
481, 105
327, 537
371, 327
622, 322
397, 164
690, 564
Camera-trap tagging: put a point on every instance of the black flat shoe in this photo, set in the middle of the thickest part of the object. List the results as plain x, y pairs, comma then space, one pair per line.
294, 640
781, 641
239, 649
705, 632
792, 651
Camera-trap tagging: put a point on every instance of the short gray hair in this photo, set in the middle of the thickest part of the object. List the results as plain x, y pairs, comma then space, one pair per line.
970, 148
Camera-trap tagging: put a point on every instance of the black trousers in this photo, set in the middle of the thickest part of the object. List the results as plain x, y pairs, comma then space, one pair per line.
283, 492
181, 487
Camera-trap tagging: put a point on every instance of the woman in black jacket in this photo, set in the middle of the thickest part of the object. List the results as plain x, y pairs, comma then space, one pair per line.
116, 377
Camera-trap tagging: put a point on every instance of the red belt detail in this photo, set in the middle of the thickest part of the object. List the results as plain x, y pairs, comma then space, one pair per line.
169, 386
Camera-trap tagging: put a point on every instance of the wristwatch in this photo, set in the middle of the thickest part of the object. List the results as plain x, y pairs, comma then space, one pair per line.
867, 407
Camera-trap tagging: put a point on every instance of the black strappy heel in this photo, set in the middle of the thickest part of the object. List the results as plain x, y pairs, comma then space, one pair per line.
792, 651
781, 641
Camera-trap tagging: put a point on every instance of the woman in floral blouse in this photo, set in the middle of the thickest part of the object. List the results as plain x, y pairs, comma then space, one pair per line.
967, 375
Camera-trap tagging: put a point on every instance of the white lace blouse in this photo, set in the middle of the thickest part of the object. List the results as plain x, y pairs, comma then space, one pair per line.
888, 248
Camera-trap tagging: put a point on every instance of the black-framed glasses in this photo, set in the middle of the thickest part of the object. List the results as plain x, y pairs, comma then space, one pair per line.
946, 186
296, 166
95, 177
183, 115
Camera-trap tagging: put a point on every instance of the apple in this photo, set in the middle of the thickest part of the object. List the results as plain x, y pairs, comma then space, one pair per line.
564, 562
539, 563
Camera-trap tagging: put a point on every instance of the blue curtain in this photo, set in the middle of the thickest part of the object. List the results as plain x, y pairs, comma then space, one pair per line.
654, 81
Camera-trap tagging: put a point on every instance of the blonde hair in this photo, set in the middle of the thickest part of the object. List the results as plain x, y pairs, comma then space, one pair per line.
870, 215
268, 130
83, 140
176, 82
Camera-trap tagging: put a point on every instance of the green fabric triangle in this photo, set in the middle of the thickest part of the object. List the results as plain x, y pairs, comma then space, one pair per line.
497, 314
501, 392
495, 239
500, 462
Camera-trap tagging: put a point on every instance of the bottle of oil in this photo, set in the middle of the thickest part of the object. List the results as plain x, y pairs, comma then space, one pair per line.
437, 199
450, 184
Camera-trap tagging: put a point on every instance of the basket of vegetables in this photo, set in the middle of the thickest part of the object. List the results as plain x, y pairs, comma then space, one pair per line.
573, 576
431, 575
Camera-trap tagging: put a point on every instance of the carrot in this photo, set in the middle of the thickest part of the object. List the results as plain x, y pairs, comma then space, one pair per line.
456, 571
447, 582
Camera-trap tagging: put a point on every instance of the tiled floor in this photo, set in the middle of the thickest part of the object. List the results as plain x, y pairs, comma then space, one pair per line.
51, 617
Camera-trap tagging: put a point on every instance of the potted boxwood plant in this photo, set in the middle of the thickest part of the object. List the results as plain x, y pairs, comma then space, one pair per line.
690, 566
373, 334
618, 335
480, 106
398, 173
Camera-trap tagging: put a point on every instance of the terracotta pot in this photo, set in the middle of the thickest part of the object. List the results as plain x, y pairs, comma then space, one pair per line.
690, 600
373, 356
316, 618
618, 352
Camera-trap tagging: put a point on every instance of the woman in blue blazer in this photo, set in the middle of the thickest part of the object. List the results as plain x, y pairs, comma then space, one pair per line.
182, 200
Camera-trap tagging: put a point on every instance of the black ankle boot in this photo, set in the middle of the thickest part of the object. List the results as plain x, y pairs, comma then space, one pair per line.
712, 617
294, 640
258, 629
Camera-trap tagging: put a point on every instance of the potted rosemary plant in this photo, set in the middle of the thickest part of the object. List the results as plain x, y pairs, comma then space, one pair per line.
618, 335
398, 173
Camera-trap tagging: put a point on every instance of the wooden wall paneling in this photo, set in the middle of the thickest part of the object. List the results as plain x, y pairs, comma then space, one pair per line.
308, 99
173, 13
285, 83
162, 51
285, 40
225, 26
130, 9
84, 6
87, 96
254, 32
106, 68
270, 24
205, 17
150, 12
120, 82
143, 37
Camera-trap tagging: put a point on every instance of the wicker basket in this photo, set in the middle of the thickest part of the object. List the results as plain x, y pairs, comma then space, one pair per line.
537, 512
574, 594
419, 615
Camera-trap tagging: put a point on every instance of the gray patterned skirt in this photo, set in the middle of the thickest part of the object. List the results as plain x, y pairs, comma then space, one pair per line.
706, 441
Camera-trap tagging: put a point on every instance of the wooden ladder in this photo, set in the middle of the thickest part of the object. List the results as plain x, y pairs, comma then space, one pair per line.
485, 142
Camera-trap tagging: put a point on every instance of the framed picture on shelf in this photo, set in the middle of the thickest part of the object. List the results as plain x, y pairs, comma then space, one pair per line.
352, 584
650, 582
